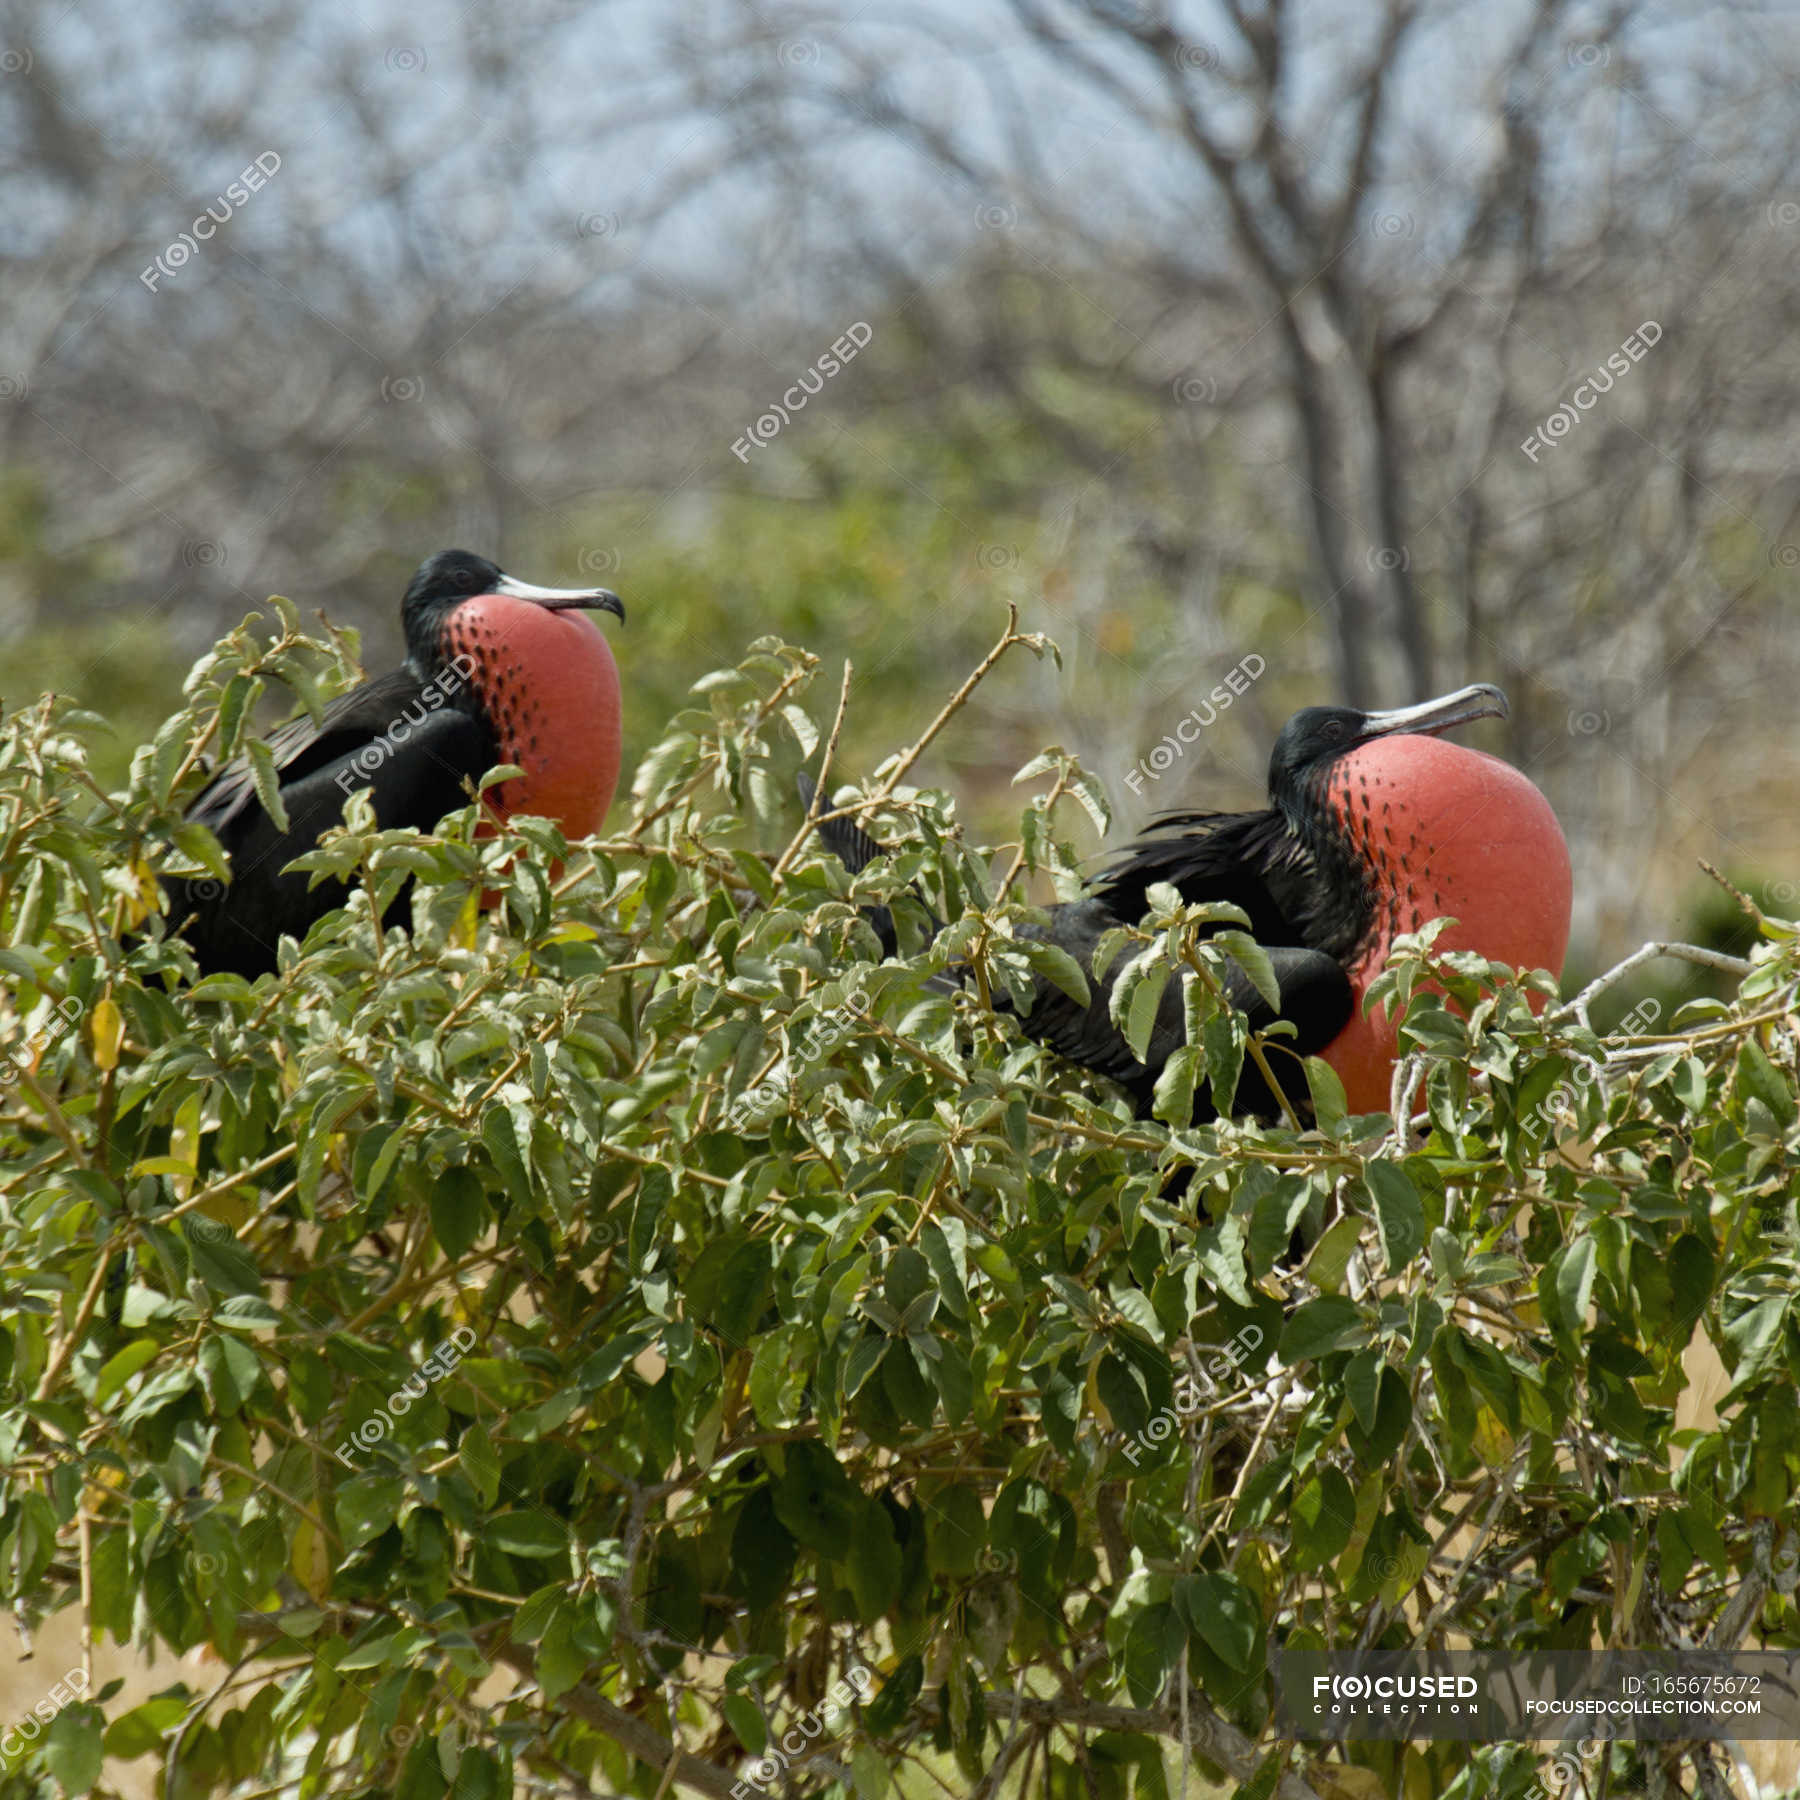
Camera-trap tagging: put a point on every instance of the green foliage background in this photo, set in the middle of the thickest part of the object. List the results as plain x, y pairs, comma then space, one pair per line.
813, 1327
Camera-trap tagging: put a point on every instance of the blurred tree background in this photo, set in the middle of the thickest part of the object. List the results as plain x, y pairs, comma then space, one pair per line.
1201, 331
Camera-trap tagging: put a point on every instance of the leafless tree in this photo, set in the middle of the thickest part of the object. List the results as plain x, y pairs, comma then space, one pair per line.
1381, 230
1316, 301
409, 326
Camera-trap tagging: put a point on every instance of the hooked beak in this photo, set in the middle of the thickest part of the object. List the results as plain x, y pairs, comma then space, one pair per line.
563, 599
1480, 701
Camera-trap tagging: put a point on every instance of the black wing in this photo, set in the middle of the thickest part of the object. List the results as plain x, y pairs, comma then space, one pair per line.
1250, 860
351, 721
844, 838
855, 849
1315, 996
414, 764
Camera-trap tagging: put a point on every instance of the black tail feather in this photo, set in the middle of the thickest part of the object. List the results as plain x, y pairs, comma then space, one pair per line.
855, 849
1315, 991
844, 838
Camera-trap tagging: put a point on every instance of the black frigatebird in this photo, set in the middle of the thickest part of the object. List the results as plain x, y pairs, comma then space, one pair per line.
496, 671
1374, 827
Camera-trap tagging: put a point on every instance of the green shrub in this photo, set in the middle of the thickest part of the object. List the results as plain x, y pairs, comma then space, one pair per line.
634, 1319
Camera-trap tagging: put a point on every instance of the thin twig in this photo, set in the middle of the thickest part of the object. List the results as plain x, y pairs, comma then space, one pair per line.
1253, 1043
84, 1527
1277, 1399
952, 706
77, 1328
226, 1183
831, 743
1215, 1738
1707, 959
637, 1736
1737, 894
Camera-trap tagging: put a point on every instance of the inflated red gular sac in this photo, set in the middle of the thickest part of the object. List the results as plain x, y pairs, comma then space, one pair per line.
1375, 826
497, 671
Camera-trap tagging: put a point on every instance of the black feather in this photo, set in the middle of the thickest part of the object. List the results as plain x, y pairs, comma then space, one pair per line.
1252, 860
237, 926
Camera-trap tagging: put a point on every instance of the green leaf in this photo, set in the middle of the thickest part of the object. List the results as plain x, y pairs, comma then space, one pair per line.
1757, 1078
1121, 1391
744, 1288
890, 1707
1273, 1218
220, 1260
1264, 1782
1324, 1513
247, 1312
196, 842
481, 1037
745, 1721
873, 1564
119, 1369
538, 1613
1330, 1257
762, 1552
1319, 1327
480, 1461
1362, 1382
1692, 1271
1399, 1215
527, 1533
503, 1145
816, 1500
1151, 1649
1253, 959
372, 1653
956, 1530
1058, 967
1329, 1104
561, 1660
1570, 1274
141, 1731
366, 1507
229, 1371
459, 1210
1491, 1373
806, 733
1754, 1337
1174, 1096
74, 1747
267, 778
113, 1591
1222, 1614
1140, 1021
909, 1390
776, 1386
1223, 1039
754, 870
158, 1392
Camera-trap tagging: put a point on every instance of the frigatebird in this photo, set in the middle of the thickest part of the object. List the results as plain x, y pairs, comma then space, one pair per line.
1374, 827
497, 671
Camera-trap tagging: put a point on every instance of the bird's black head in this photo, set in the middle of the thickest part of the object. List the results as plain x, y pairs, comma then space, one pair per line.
443, 582
1312, 738
1316, 736
1336, 902
439, 586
